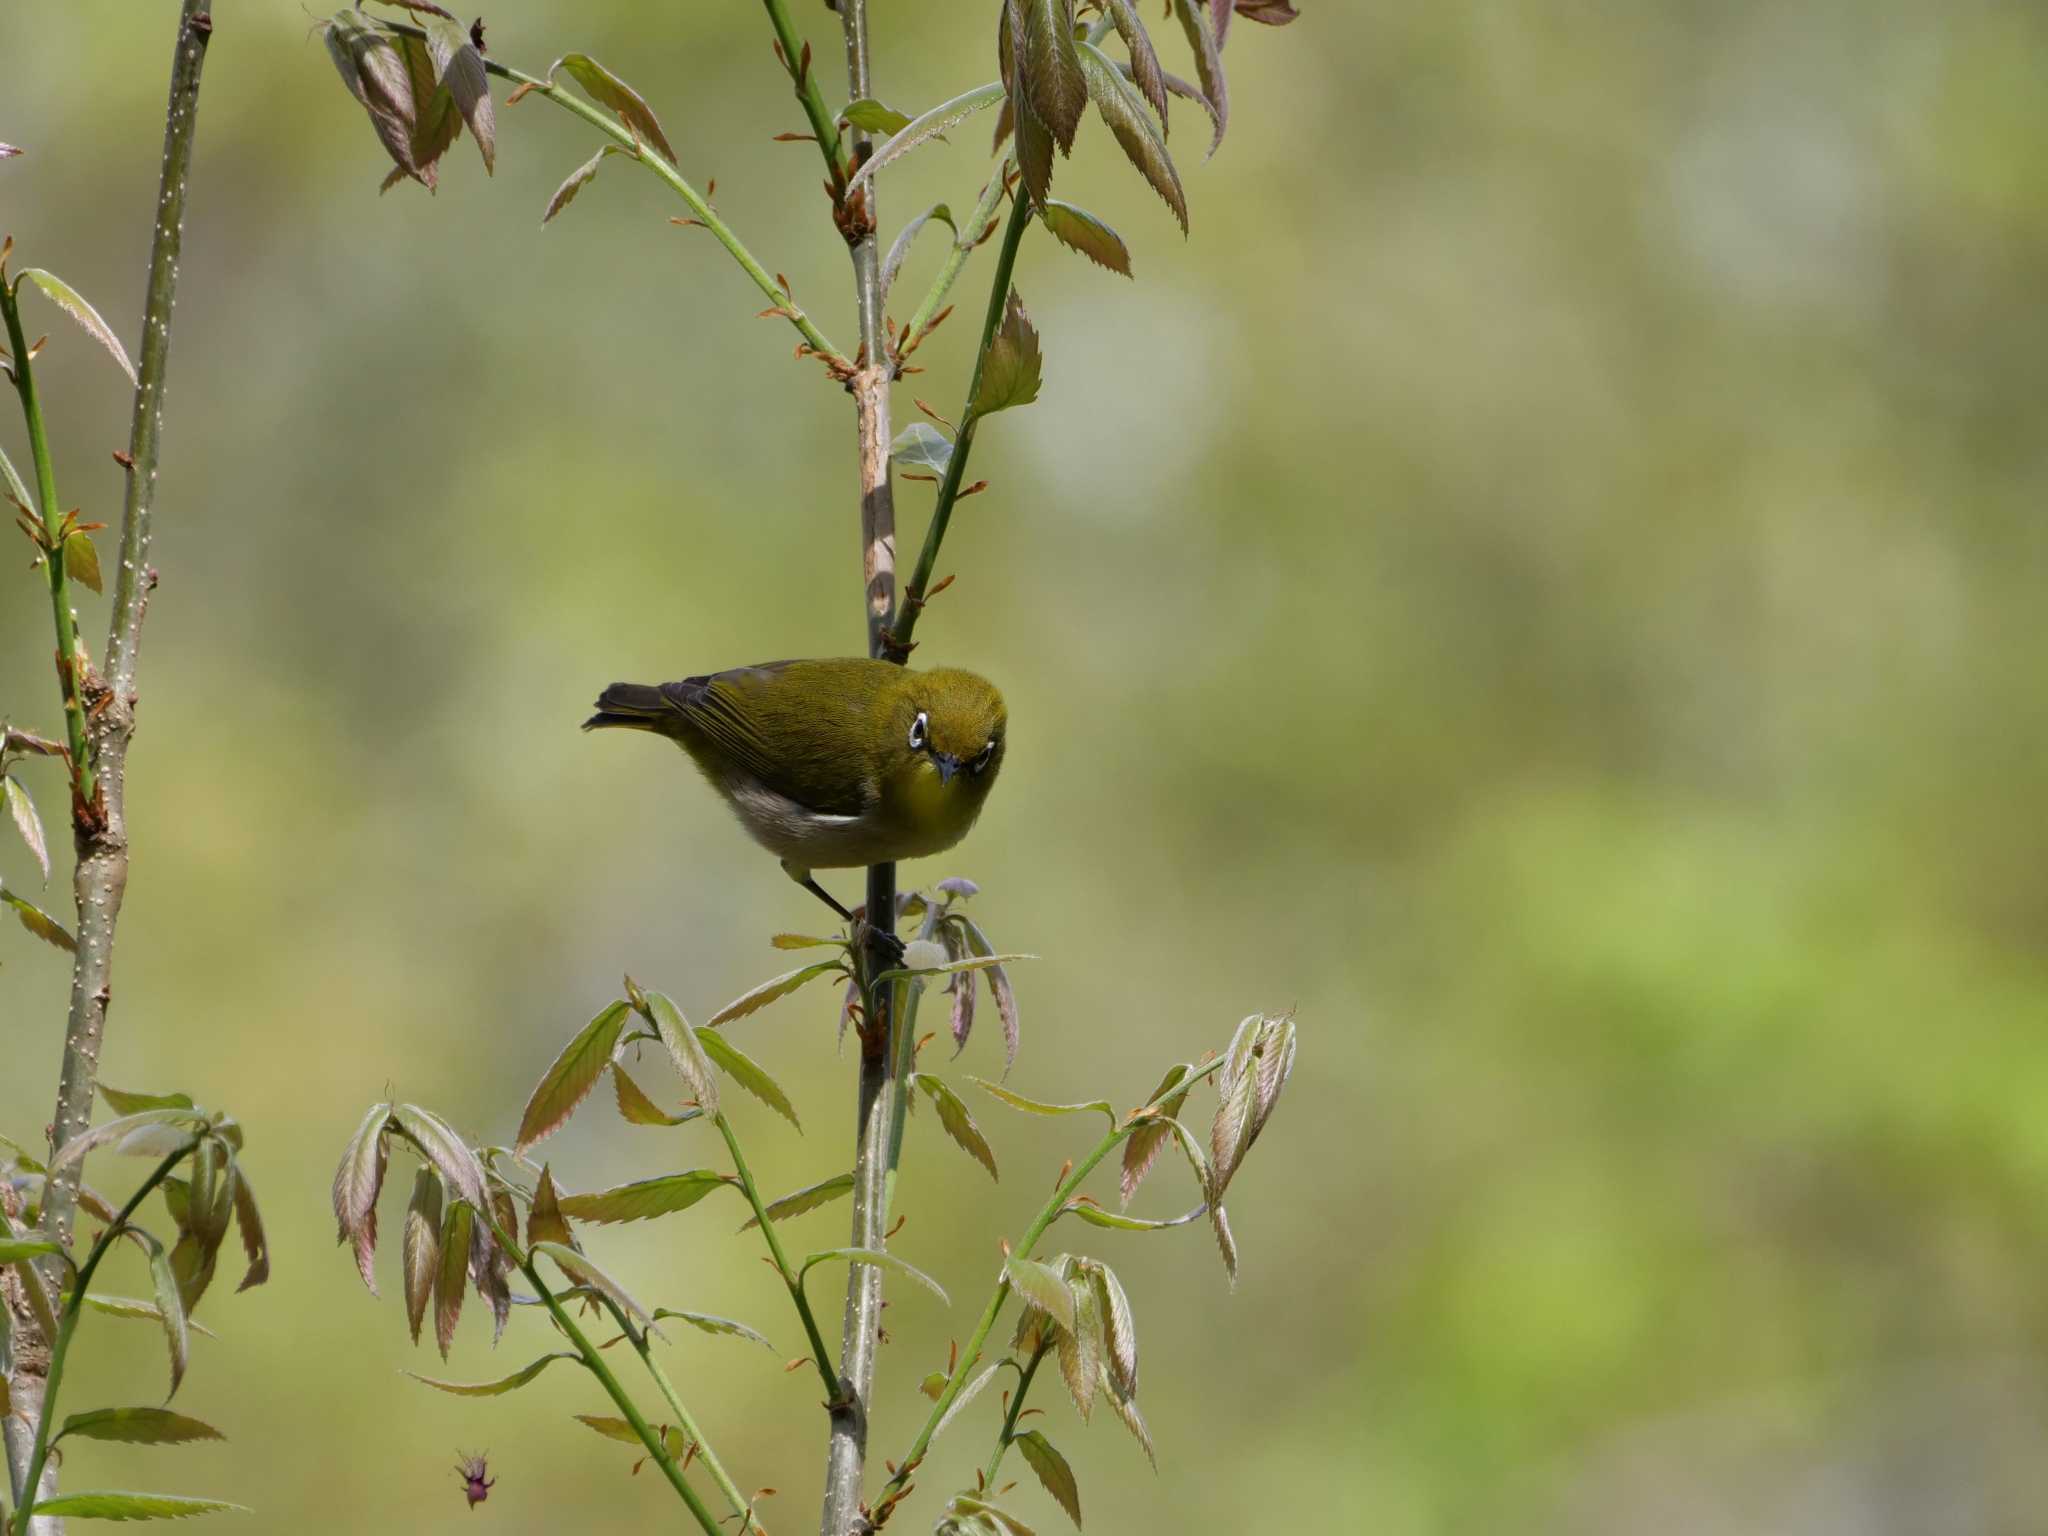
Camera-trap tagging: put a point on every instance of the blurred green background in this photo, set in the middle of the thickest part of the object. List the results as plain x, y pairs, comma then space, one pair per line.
1547, 581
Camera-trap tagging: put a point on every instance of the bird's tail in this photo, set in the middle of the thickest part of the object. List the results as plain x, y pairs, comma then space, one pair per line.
635, 706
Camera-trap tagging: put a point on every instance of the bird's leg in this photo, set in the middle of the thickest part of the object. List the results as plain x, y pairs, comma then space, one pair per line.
861, 929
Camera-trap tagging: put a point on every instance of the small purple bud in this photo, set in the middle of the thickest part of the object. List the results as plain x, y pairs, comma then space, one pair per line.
476, 1484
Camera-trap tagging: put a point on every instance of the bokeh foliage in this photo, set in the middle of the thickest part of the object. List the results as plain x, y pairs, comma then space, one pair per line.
1556, 597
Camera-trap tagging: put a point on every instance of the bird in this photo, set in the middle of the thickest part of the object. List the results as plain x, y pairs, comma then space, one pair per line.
832, 763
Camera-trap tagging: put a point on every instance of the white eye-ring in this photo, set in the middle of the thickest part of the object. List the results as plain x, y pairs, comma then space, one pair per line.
920, 732
984, 757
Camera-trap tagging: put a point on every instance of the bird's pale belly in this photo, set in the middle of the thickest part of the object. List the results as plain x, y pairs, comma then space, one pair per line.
922, 819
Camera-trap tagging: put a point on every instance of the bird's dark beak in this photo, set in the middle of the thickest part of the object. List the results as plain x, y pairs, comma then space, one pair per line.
947, 764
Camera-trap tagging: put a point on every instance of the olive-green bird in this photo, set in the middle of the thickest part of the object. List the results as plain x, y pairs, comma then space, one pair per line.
832, 764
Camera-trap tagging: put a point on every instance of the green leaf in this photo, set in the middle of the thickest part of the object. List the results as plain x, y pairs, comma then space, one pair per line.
122, 1102
711, 1323
958, 1123
582, 1270
967, 1395
459, 68
1080, 230
1081, 1346
638, 1109
641, 1200
898, 249
138, 1426
1124, 111
871, 116
39, 922
14, 1249
968, 1514
1010, 376
67, 298
545, 1222
447, 1151
15, 489
27, 822
1043, 1457
1119, 1330
137, 1311
1096, 1216
824, 1192
880, 1260
927, 126
748, 1073
113, 1130
672, 1439
1175, 86
781, 986
1049, 68
1043, 1287
684, 1050
574, 1073
458, 1232
170, 1303
576, 181
608, 89
805, 941
420, 1247
1037, 1107
500, 1387
922, 446
131, 1506
1194, 21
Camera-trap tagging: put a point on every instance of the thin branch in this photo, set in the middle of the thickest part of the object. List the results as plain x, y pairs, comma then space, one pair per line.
796, 55
1008, 1432
963, 443
741, 1506
781, 1261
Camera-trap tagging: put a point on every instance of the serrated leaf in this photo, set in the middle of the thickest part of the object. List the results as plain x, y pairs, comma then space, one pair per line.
1000, 989
1048, 67
1043, 1457
68, 299
748, 1073
900, 248
420, 1247
113, 1130
498, 1388
1044, 1288
1123, 109
138, 1311
636, 1108
685, 1051
781, 986
711, 1323
436, 123
922, 446
1096, 1216
926, 126
375, 73
15, 1249
1034, 153
439, 1144
138, 1426
824, 1192
255, 1242
618, 1429
1010, 374
27, 822
1080, 230
643, 1199
39, 922
1119, 1330
452, 1279
879, 1259
1126, 1409
1187, 90
1038, 1107
608, 89
967, 1514
357, 1181
1194, 22
122, 1102
1226, 1241
170, 1304
871, 116
1256, 1066
1144, 67
958, 1123
544, 1220
459, 68
1081, 1346
574, 1073
1141, 1148
576, 181
967, 1395
581, 1269
111, 1505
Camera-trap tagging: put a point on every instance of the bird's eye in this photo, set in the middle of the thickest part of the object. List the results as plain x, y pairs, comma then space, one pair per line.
920, 732
984, 757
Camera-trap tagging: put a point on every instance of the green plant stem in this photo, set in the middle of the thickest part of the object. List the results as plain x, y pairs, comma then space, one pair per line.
1047, 1215
53, 547
963, 443
823, 127
620, 1397
1009, 1430
965, 239
67, 1325
699, 206
781, 1259
740, 1505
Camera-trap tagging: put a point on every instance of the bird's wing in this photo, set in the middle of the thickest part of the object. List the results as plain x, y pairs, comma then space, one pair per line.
755, 721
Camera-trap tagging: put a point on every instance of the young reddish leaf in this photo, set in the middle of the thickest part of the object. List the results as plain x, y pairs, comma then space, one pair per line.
1124, 110
1034, 152
499, 1388
608, 89
824, 1192
441, 1146
1044, 1458
1045, 1288
999, 987
642, 1200
436, 123
1126, 1409
748, 1073
1219, 20
1080, 230
710, 1323
1272, 13
1142, 1146
28, 824
68, 299
131, 1506
457, 1232
1048, 67
958, 1123
459, 69
1119, 1330
137, 1426
927, 126
563, 1086
1010, 376
249, 1223
544, 1221
576, 181
39, 922
420, 1247
375, 73
781, 986
1144, 67
1194, 21
638, 1109
1226, 1241
1081, 1346
684, 1050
